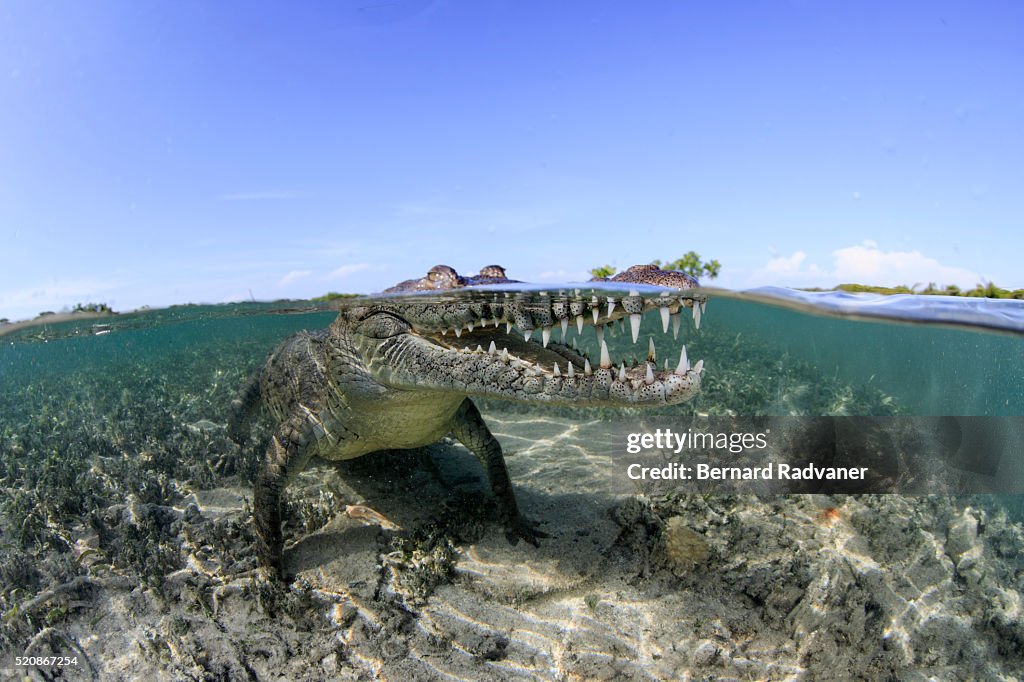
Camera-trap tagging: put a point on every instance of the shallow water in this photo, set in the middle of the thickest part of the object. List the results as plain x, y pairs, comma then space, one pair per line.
129, 409
771, 352
936, 355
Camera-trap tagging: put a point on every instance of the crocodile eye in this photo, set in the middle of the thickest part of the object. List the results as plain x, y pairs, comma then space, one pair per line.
382, 326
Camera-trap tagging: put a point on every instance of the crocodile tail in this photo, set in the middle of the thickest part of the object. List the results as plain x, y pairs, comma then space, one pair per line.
243, 408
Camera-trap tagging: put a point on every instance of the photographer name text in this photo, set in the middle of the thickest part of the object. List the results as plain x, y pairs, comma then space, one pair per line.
769, 472
675, 442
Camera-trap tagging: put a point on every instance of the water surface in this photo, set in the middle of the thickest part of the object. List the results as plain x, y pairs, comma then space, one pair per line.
115, 466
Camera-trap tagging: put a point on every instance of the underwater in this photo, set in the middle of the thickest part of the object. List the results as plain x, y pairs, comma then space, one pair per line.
127, 542
237, 443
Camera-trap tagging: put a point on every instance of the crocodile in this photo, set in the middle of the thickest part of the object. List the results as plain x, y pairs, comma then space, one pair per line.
445, 277
400, 372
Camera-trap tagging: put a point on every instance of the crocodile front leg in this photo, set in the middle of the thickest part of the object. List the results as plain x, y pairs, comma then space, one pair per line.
469, 427
289, 451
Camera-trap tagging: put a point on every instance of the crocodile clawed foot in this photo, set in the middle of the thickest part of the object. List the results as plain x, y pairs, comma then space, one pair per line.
523, 528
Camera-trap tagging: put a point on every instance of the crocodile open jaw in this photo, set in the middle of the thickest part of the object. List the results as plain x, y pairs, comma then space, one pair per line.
527, 344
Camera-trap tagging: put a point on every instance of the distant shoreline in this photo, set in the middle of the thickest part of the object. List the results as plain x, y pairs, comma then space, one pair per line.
989, 290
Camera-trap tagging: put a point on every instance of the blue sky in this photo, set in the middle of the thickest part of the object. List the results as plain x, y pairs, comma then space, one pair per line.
167, 152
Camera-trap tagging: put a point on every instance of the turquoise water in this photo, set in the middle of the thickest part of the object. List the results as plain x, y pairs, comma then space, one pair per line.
100, 413
935, 355
774, 352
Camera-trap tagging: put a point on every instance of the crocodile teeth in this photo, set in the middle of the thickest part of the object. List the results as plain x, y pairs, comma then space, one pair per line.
469, 326
665, 314
586, 367
444, 332
676, 320
634, 323
651, 356
611, 305
508, 327
496, 322
545, 335
571, 372
703, 307
622, 372
649, 376
684, 363
527, 334
504, 354
458, 332
600, 333
492, 349
699, 367
579, 324
696, 316
479, 348
606, 361
565, 327
558, 372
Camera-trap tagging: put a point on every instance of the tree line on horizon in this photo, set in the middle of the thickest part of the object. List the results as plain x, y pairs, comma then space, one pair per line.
692, 264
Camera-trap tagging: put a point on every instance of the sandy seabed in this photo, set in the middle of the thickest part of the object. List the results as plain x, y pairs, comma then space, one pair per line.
400, 573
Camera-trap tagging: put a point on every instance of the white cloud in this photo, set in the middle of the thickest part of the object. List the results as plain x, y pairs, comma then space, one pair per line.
262, 196
479, 220
28, 302
346, 270
868, 265
562, 276
791, 266
293, 276
860, 264
236, 297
